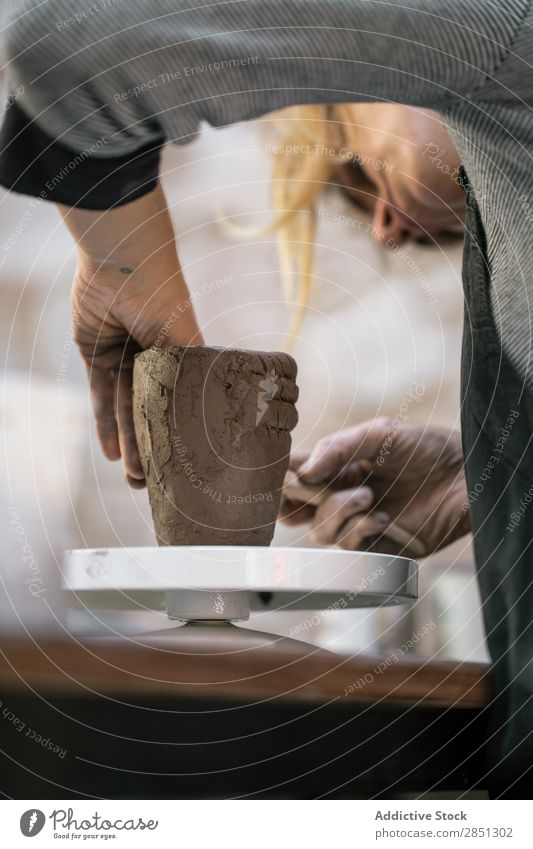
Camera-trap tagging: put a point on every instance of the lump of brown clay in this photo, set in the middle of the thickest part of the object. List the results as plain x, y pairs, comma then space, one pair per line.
213, 429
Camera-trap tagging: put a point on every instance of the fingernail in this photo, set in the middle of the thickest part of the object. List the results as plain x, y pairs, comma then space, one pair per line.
362, 497
381, 519
135, 483
306, 470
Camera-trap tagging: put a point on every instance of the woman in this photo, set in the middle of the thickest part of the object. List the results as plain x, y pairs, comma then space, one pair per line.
395, 162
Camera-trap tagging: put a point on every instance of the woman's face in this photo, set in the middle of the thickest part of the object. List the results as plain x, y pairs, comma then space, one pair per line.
401, 166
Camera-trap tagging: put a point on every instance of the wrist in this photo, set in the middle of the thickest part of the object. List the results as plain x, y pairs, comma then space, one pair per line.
462, 508
139, 233
135, 267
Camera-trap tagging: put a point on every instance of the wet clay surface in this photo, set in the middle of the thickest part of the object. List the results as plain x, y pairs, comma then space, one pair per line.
213, 429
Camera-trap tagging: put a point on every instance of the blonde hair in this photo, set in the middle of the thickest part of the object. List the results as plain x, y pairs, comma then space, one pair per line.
305, 154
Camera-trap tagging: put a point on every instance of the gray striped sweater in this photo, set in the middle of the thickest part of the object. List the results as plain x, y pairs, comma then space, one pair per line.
115, 78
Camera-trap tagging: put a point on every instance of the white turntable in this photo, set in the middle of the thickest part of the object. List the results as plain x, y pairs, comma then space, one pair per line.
226, 583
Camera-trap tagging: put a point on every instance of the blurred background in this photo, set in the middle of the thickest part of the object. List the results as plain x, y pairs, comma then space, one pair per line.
377, 324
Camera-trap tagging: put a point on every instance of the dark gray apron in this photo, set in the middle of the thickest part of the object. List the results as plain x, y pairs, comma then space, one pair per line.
497, 429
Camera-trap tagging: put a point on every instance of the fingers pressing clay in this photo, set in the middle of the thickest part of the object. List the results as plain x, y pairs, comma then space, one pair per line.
213, 430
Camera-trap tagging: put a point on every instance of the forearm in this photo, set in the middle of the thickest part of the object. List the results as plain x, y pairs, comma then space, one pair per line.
124, 236
132, 248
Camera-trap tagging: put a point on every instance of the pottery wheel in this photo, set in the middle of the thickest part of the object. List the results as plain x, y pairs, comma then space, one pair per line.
226, 583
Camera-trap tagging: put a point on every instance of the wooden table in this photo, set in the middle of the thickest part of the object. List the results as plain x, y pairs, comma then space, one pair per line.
112, 719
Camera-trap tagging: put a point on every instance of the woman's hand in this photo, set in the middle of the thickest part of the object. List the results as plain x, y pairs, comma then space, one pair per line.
128, 294
380, 472
113, 320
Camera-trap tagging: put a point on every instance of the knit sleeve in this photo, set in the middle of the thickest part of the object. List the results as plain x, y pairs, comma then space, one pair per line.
117, 79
